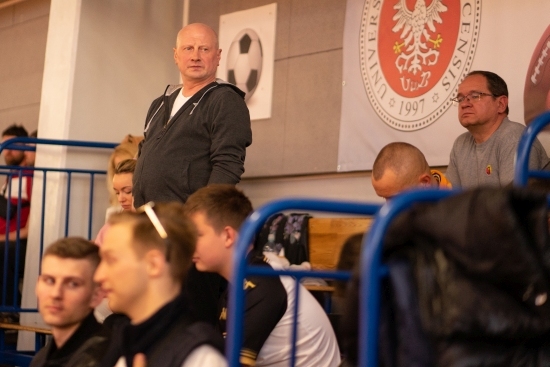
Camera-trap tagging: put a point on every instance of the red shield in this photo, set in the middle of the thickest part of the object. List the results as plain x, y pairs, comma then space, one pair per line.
415, 47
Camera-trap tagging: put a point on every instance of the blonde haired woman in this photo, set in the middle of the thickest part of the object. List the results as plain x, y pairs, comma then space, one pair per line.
127, 149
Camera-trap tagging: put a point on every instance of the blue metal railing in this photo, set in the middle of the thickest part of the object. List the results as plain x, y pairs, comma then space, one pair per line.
521, 170
372, 269
5, 266
250, 227
21, 143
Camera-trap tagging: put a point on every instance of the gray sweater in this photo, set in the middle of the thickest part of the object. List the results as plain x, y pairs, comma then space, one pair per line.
490, 163
205, 142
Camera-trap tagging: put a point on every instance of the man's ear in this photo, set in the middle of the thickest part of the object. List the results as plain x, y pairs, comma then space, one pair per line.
502, 103
231, 236
426, 180
219, 55
155, 261
97, 296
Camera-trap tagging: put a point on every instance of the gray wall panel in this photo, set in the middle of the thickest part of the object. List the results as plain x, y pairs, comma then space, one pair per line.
23, 32
301, 137
316, 26
313, 113
264, 157
124, 61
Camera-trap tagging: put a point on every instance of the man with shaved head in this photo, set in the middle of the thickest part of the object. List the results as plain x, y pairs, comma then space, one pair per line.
400, 166
196, 134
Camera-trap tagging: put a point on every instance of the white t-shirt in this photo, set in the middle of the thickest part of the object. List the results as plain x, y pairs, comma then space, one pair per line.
316, 344
205, 355
180, 101
269, 314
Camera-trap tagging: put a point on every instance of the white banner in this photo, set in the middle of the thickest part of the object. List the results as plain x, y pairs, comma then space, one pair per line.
404, 59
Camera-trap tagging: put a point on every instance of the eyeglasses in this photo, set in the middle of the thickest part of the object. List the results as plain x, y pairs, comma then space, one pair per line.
472, 97
148, 209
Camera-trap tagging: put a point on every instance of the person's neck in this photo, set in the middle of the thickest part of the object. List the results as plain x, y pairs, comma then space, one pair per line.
192, 87
61, 335
482, 133
158, 296
227, 271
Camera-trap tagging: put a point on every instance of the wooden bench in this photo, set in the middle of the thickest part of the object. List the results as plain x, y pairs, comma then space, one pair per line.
9, 356
326, 239
34, 329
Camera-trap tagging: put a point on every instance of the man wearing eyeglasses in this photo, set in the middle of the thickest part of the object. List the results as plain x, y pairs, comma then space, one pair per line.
484, 156
145, 258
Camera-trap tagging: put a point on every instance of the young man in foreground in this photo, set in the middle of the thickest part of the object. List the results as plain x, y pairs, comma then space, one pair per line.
67, 296
145, 257
218, 212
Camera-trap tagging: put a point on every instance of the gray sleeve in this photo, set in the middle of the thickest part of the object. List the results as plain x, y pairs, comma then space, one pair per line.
452, 171
506, 161
231, 134
538, 159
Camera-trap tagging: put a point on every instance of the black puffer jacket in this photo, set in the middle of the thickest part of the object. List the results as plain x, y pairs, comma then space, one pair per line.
468, 285
480, 263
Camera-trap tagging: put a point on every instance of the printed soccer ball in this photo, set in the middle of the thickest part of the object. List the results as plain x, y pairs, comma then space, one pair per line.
244, 61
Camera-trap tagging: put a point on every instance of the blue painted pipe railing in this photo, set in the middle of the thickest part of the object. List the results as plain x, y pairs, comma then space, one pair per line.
241, 269
19, 143
521, 170
8, 356
372, 269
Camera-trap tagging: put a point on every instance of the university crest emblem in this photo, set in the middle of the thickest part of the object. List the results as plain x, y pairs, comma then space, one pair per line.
413, 55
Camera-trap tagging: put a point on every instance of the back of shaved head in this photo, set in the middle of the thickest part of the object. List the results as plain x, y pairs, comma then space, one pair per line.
405, 160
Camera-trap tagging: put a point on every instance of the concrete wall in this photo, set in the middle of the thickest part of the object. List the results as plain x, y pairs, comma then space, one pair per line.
124, 61
23, 32
104, 63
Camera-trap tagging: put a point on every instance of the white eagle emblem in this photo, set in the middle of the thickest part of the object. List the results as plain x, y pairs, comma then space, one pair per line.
415, 36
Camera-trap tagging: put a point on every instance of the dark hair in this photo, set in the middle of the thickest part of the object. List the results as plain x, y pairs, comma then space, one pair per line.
125, 166
74, 248
348, 259
15, 130
223, 205
496, 85
180, 245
